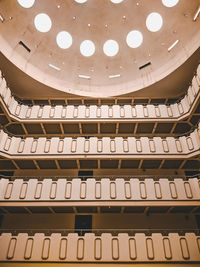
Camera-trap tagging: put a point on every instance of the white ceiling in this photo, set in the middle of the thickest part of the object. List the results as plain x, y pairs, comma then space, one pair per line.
120, 19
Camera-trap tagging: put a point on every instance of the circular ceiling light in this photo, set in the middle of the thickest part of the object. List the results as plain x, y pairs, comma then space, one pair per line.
170, 3
26, 3
81, 1
154, 22
87, 48
42, 22
116, 1
134, 39
64, 39
111, 48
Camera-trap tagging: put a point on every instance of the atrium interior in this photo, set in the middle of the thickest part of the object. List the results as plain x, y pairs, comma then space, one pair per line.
99, 132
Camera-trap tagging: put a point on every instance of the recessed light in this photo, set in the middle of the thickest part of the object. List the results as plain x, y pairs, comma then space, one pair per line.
42, 22
54, 67
81, 1
154, 22
173, 45
84, 76
134, 39
64, 39
170, 3
1, 18
116, 1
26, 3
111, 48
196, 14
114, 76
87, 48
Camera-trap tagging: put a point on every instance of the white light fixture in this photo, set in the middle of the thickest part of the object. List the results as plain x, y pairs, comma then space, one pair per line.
81, 1
1, 18
64, 39
111, 48
87, 48
26, 3
154, 22
54, 67
42, 22
170, 3
172, 46
84, 76
114, 76
116, 1
134, 39
196, 14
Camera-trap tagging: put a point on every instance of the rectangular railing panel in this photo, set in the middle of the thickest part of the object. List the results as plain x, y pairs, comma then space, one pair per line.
68, 147
84, 112
105, 189
104, 248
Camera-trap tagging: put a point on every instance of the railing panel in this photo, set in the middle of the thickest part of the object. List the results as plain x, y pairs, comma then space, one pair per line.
104, 248
105, 189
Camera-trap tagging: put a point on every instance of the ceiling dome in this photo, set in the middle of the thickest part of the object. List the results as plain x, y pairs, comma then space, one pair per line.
99, 48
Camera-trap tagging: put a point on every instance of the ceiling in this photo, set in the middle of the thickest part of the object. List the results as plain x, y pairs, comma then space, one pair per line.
33, 77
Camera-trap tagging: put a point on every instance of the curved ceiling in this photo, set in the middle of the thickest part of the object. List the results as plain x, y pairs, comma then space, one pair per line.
86, 63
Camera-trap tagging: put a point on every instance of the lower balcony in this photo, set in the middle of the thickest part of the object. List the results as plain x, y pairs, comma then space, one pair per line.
128, 247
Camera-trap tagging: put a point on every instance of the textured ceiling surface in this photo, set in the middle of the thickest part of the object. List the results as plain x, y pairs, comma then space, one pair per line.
32, 51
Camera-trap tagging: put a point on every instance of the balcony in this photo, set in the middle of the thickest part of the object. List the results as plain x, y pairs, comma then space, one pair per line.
69, 247
118, 147
93, 119
122, 195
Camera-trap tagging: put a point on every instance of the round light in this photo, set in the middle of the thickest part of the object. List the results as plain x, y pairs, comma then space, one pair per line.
64, 39
42, 22
170, 3
116, 1
81, 1
87, 48
111, 48
154, 22
26, 3
134, 39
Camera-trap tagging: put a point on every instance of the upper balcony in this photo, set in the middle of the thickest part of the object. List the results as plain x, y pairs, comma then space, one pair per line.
94, 119
183, 147
100, 153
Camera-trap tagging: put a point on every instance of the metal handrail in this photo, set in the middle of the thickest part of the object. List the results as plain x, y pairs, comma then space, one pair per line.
113, 231
102, 176
56, 177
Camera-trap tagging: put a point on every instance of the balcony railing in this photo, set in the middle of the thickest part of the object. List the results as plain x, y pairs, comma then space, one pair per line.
131, 147
160, 112
131, 190
105, 247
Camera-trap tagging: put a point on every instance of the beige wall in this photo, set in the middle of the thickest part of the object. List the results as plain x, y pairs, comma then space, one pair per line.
100, 221
38, 221
139, 221
106, 172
